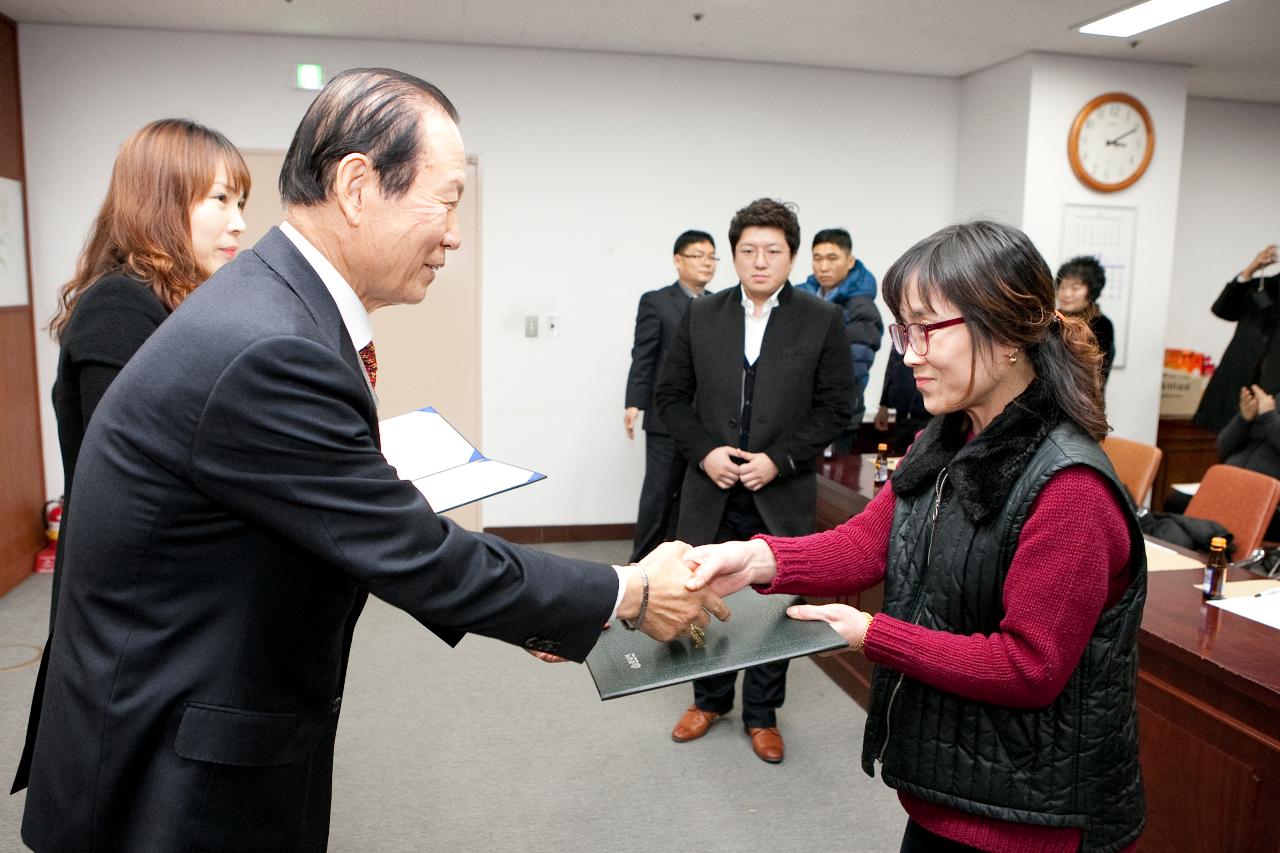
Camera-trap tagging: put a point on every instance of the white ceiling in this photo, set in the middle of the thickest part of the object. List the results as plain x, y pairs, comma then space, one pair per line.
1233, 49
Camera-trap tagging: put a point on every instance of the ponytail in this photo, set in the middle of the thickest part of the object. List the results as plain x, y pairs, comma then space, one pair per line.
1069, 362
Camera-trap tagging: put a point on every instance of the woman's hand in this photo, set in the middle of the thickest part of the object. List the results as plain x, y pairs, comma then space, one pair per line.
730, 566
849, 623
1265, 258
1249, 404
1262, 400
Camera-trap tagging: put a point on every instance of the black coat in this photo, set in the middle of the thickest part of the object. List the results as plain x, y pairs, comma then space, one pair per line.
803, 389
233, 511
656, 321
1253, 356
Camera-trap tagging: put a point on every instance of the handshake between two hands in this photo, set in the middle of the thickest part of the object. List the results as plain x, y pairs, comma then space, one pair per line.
686, 586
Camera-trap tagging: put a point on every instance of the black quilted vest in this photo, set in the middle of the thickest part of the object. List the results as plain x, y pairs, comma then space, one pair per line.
1073, 763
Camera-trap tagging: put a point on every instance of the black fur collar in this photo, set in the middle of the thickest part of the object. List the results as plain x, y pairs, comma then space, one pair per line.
985, 469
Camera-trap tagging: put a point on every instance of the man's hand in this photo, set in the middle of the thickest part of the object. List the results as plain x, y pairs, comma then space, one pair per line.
758, 471
1248, 404
731, 566
882, 419
720, 467
1265, 402
1265, 258
547, 657
849, 623
629, 415
672, 607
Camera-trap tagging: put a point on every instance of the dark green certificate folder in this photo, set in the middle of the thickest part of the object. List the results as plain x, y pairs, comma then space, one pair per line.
625, 662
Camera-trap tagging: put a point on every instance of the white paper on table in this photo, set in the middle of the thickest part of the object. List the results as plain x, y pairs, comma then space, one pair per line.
1186, 488
449, 471
1264, 609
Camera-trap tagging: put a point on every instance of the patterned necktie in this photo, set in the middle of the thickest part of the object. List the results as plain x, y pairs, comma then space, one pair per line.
370, 361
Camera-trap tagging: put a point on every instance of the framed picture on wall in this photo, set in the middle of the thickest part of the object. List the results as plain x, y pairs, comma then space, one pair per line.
13, 245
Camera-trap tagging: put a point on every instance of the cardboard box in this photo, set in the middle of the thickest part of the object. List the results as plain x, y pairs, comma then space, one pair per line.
1180, 393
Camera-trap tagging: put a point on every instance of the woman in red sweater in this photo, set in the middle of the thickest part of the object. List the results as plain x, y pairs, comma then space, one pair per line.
1002, 707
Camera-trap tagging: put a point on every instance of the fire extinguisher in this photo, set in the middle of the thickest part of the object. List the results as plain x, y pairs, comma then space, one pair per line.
48, 555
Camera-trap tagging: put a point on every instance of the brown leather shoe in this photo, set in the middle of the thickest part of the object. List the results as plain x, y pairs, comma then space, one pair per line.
693, 724
767, 744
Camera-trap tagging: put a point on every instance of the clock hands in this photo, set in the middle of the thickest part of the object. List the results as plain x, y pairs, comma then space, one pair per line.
1116, 142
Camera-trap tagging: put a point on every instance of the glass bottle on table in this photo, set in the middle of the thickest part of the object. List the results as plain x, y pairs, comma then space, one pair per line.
882, 464
1215, 571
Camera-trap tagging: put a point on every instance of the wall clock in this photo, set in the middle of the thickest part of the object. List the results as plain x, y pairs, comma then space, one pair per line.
1111, 142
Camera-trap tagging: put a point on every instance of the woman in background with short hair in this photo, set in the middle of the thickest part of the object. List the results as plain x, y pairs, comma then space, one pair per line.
1078, 284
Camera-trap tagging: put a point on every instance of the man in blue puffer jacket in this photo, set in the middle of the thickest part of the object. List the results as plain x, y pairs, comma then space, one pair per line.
841, 278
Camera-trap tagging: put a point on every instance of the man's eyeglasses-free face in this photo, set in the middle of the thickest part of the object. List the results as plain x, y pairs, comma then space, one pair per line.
916, 335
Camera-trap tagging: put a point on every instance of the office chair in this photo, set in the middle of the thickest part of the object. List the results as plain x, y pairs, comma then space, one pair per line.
1240, 500
1136, 465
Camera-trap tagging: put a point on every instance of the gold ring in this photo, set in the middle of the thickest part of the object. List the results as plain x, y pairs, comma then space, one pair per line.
699, 636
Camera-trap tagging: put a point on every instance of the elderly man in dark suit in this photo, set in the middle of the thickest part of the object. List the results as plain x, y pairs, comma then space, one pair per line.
233, 511
757, 382
656, 321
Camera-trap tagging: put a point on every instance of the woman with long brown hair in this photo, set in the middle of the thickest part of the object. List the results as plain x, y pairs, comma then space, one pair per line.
1003, 702
171, 218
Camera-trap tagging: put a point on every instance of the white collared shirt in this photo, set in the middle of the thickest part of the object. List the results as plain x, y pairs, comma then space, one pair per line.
755, 326
354, 317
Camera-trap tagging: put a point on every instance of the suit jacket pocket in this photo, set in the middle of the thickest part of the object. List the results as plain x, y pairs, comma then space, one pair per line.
233, 736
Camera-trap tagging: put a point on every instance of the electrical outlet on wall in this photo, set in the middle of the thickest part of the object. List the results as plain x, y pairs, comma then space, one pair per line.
553, 326
531, 325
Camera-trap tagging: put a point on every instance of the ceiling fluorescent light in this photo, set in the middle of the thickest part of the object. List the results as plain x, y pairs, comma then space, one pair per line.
1146, 16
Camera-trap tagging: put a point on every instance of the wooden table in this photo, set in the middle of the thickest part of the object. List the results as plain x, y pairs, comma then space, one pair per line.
1208, 701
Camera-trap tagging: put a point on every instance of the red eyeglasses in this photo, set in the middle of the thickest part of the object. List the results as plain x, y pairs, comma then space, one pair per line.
916, 335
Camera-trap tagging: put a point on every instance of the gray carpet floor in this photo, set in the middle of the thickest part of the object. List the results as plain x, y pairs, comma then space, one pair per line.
484, 748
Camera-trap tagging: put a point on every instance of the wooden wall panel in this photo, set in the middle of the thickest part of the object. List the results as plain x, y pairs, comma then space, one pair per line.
21, 461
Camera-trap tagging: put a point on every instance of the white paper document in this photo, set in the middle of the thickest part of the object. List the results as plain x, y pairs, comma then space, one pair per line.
1260, 608
449, 471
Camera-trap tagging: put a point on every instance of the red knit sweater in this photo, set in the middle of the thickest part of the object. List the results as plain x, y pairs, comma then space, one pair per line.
1055, 589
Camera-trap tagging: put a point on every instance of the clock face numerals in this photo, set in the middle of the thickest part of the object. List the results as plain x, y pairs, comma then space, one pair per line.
1111, 143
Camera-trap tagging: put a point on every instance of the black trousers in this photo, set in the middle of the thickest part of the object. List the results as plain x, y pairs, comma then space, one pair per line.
764, 687
917, 839
659, 495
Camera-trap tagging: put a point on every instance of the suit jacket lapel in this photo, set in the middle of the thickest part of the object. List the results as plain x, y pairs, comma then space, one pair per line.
777, 333
278, 252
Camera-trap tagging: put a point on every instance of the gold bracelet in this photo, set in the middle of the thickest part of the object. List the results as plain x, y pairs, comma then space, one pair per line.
870, 619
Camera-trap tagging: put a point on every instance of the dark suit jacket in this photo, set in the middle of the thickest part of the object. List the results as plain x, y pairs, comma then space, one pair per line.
657, 319
804, 384
1253, 354
233, 512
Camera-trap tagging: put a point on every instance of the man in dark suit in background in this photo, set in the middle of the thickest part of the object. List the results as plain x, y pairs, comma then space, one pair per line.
757, 382
656, 321
234, 511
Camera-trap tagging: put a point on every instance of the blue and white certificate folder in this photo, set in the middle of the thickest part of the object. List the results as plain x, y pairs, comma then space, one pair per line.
449, 471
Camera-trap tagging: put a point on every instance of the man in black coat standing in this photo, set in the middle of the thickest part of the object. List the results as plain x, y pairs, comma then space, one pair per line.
757, 382
1253, 356
656, 321
233, 512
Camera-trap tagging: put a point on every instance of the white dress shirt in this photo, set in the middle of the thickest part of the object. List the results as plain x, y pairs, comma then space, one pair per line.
755, 326
354, 317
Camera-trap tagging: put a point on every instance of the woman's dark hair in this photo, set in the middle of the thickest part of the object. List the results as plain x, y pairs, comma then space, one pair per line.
143, 228
1086, 268
374, 111
1000, 283
766, 213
